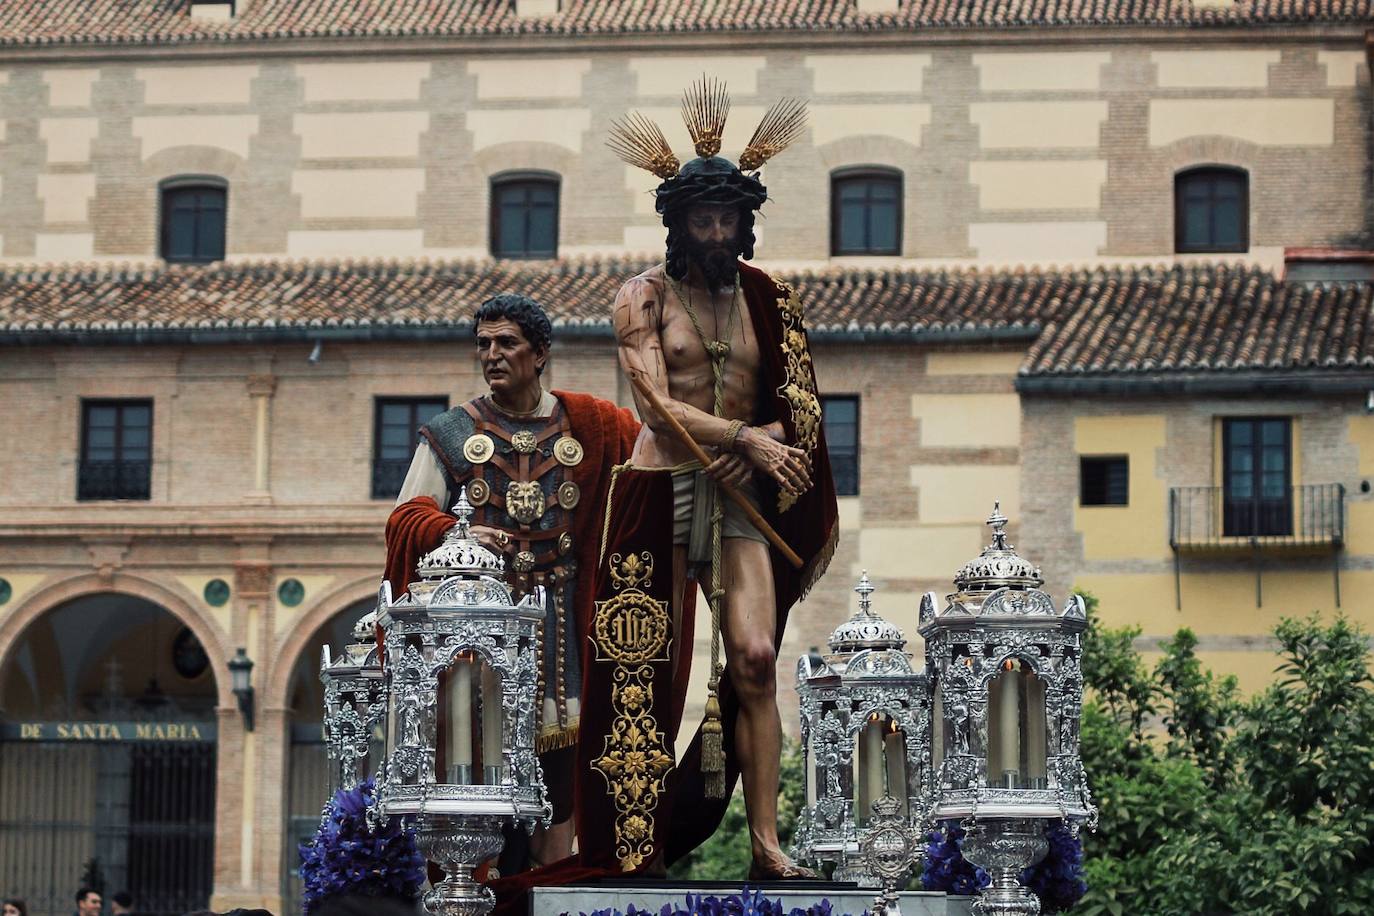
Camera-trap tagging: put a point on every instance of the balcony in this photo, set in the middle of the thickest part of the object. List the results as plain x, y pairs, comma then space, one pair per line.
387, 477
1297, 521
113, 480
1307, 518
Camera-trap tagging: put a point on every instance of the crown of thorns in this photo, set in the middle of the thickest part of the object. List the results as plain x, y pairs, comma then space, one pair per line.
639, 142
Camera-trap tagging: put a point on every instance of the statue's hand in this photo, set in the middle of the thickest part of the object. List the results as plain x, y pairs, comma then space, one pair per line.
730, 469
494, 539
787, 465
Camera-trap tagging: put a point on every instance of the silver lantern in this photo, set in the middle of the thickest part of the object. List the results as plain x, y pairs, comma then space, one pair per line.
865, 726
354, 704
461, 663
1008, 693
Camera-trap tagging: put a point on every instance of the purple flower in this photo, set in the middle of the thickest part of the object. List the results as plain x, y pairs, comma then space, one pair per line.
1057, 879
347, 856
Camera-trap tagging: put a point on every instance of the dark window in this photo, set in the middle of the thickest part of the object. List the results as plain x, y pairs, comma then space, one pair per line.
1257, 486
866, 212
841, 418
397, 422
524, 216
193, 218
1212, 210
1103, 481
116, 450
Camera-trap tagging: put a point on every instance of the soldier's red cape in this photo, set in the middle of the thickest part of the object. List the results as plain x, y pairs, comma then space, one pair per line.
640, 520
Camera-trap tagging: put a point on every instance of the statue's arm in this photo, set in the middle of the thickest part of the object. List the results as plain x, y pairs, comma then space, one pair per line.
637, 314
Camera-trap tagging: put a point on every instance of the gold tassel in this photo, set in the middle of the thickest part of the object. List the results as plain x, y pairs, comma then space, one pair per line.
713, 749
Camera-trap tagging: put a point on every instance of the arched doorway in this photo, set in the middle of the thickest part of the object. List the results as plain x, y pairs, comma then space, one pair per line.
307, 766
107, 758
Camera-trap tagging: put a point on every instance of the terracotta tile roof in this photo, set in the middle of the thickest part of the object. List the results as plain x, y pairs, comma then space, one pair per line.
1112, 321
1204, 318
43, 22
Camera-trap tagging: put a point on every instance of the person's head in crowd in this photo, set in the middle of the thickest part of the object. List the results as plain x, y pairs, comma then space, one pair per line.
122, 903
88, 902
352, 905
14, 907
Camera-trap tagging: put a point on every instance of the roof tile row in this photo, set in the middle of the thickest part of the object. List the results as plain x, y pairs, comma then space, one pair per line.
1117, 320
41, 22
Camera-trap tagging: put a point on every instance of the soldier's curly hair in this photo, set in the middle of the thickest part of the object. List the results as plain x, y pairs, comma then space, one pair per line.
529, 315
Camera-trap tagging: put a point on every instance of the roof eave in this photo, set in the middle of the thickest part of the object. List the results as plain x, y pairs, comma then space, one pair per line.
1254, 382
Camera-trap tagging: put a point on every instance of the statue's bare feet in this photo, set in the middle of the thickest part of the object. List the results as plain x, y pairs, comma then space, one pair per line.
774, 866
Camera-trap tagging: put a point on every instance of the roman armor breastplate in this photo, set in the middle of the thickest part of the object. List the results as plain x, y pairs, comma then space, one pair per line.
518, 483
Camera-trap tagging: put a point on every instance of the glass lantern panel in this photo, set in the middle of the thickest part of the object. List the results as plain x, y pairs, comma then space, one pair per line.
458, 726
894, 761
1015, 735
1034, 751
870, 767
492, 738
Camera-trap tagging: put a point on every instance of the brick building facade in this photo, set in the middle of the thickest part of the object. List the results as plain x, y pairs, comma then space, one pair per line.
334, 134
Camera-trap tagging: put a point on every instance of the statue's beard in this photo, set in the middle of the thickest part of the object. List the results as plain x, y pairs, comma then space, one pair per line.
716, 262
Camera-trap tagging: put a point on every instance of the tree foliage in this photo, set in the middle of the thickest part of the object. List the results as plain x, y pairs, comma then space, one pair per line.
1259, 807
1209, 803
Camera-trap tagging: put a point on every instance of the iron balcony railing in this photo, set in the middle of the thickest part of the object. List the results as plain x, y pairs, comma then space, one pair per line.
387, 476
113, 480
1306, 516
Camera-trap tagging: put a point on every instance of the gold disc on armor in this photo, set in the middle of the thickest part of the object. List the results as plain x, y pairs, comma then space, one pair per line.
479, 491
524, 442
478, 448
564, 543
568, 494
568, 451
524, 561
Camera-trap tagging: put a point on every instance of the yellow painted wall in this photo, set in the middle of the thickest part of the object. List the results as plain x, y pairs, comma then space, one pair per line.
1139, 529
1220, 602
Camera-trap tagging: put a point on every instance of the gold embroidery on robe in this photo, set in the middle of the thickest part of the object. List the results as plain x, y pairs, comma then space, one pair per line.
631, 630
799, 387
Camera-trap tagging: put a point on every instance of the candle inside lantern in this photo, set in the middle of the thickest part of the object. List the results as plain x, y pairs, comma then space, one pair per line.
459, 723
492, 712
1009, 726
1033, 700
871, 767
894, 753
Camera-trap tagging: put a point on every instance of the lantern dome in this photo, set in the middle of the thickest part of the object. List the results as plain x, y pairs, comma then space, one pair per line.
865, 630
998, 566
460, 554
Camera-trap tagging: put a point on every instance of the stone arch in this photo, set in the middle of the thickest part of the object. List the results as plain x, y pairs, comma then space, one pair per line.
525, 154
194, 160
294, 642
47, 599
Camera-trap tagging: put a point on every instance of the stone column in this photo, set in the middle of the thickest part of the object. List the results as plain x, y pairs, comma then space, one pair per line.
247, 779
261, 388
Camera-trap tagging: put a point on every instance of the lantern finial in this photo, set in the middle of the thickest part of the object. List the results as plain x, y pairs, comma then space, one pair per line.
865, 590
463, 509
998, 522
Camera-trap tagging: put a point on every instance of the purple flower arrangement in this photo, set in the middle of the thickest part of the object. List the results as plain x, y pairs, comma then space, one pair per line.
1056, 879
347, 857
745, 903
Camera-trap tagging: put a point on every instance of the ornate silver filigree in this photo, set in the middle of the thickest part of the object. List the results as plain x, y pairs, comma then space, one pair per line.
460, 611
998, 619
867, 675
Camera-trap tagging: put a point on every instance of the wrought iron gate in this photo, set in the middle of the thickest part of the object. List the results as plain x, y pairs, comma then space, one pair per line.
136, 799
